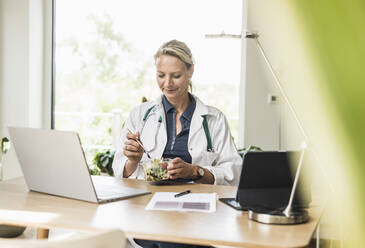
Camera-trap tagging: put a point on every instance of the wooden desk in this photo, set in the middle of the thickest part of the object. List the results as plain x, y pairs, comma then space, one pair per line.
226, 227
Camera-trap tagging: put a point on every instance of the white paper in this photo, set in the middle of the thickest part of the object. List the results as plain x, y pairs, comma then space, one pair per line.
199, 202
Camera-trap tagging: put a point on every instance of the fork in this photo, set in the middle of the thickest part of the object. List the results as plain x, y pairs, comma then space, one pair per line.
140, 143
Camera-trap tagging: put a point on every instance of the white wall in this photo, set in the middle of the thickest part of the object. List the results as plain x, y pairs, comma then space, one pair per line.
269, 125
23, 77
1, 69
262, 122
14, 62
14, 77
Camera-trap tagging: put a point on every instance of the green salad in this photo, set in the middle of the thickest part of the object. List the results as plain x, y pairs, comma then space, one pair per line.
153, 170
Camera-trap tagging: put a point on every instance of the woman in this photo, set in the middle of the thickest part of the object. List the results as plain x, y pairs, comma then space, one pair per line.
173, 127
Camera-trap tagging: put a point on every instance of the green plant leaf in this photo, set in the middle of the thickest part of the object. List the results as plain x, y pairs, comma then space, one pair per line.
5, 145
104, 161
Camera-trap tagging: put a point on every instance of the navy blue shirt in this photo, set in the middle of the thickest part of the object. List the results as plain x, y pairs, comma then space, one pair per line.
177, 145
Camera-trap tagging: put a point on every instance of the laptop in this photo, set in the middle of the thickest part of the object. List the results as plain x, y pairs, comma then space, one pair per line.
266, 182
53, 162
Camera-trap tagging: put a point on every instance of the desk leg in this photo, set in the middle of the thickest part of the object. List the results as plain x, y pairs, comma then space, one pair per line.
42, 233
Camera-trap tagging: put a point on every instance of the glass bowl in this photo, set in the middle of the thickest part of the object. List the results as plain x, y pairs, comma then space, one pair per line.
154, 171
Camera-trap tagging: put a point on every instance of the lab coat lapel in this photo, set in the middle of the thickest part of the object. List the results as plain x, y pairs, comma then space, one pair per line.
196, 123
162, 133
197, 119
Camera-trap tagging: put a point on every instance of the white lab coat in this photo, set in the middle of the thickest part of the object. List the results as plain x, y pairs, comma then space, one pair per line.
224, 163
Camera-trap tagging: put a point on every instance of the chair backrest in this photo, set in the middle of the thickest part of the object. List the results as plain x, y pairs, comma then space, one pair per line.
108, 239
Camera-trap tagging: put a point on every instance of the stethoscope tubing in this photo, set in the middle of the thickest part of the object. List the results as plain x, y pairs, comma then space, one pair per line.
147, 115
145, 118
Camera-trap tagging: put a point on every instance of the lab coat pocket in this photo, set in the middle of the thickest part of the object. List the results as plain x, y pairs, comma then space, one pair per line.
209, 158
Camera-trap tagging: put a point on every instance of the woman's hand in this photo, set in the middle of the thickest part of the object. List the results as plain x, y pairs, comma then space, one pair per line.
132, 150
180, 169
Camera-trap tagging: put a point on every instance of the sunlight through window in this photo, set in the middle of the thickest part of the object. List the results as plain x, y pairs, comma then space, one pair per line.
104, 60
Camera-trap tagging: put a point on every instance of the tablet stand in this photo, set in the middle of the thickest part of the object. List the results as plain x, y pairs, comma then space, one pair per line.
289, 215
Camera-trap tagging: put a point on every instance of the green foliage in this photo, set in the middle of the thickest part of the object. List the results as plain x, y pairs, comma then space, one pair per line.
104, 161
335, 29
5, 145
250, 148
242, 151
94, 170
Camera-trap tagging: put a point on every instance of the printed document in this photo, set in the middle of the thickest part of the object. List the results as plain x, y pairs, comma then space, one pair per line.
200, 202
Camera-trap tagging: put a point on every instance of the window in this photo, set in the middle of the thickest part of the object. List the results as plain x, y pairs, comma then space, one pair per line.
104, 60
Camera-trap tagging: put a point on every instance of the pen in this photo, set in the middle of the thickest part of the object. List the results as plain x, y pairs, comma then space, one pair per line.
182, 193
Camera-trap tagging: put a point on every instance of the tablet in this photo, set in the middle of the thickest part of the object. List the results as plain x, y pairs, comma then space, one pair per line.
266, 181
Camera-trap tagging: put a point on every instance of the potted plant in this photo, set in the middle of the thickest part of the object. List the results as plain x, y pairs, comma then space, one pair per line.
103, 162
5, 145
242, 151
7, 231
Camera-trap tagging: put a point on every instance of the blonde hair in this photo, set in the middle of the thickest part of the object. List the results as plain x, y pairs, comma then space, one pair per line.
179, 50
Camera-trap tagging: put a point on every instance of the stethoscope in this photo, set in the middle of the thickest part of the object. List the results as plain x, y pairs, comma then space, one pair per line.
147, 115
144, 120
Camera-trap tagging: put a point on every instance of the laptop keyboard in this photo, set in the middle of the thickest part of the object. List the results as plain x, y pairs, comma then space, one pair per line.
103, 193
110, 189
